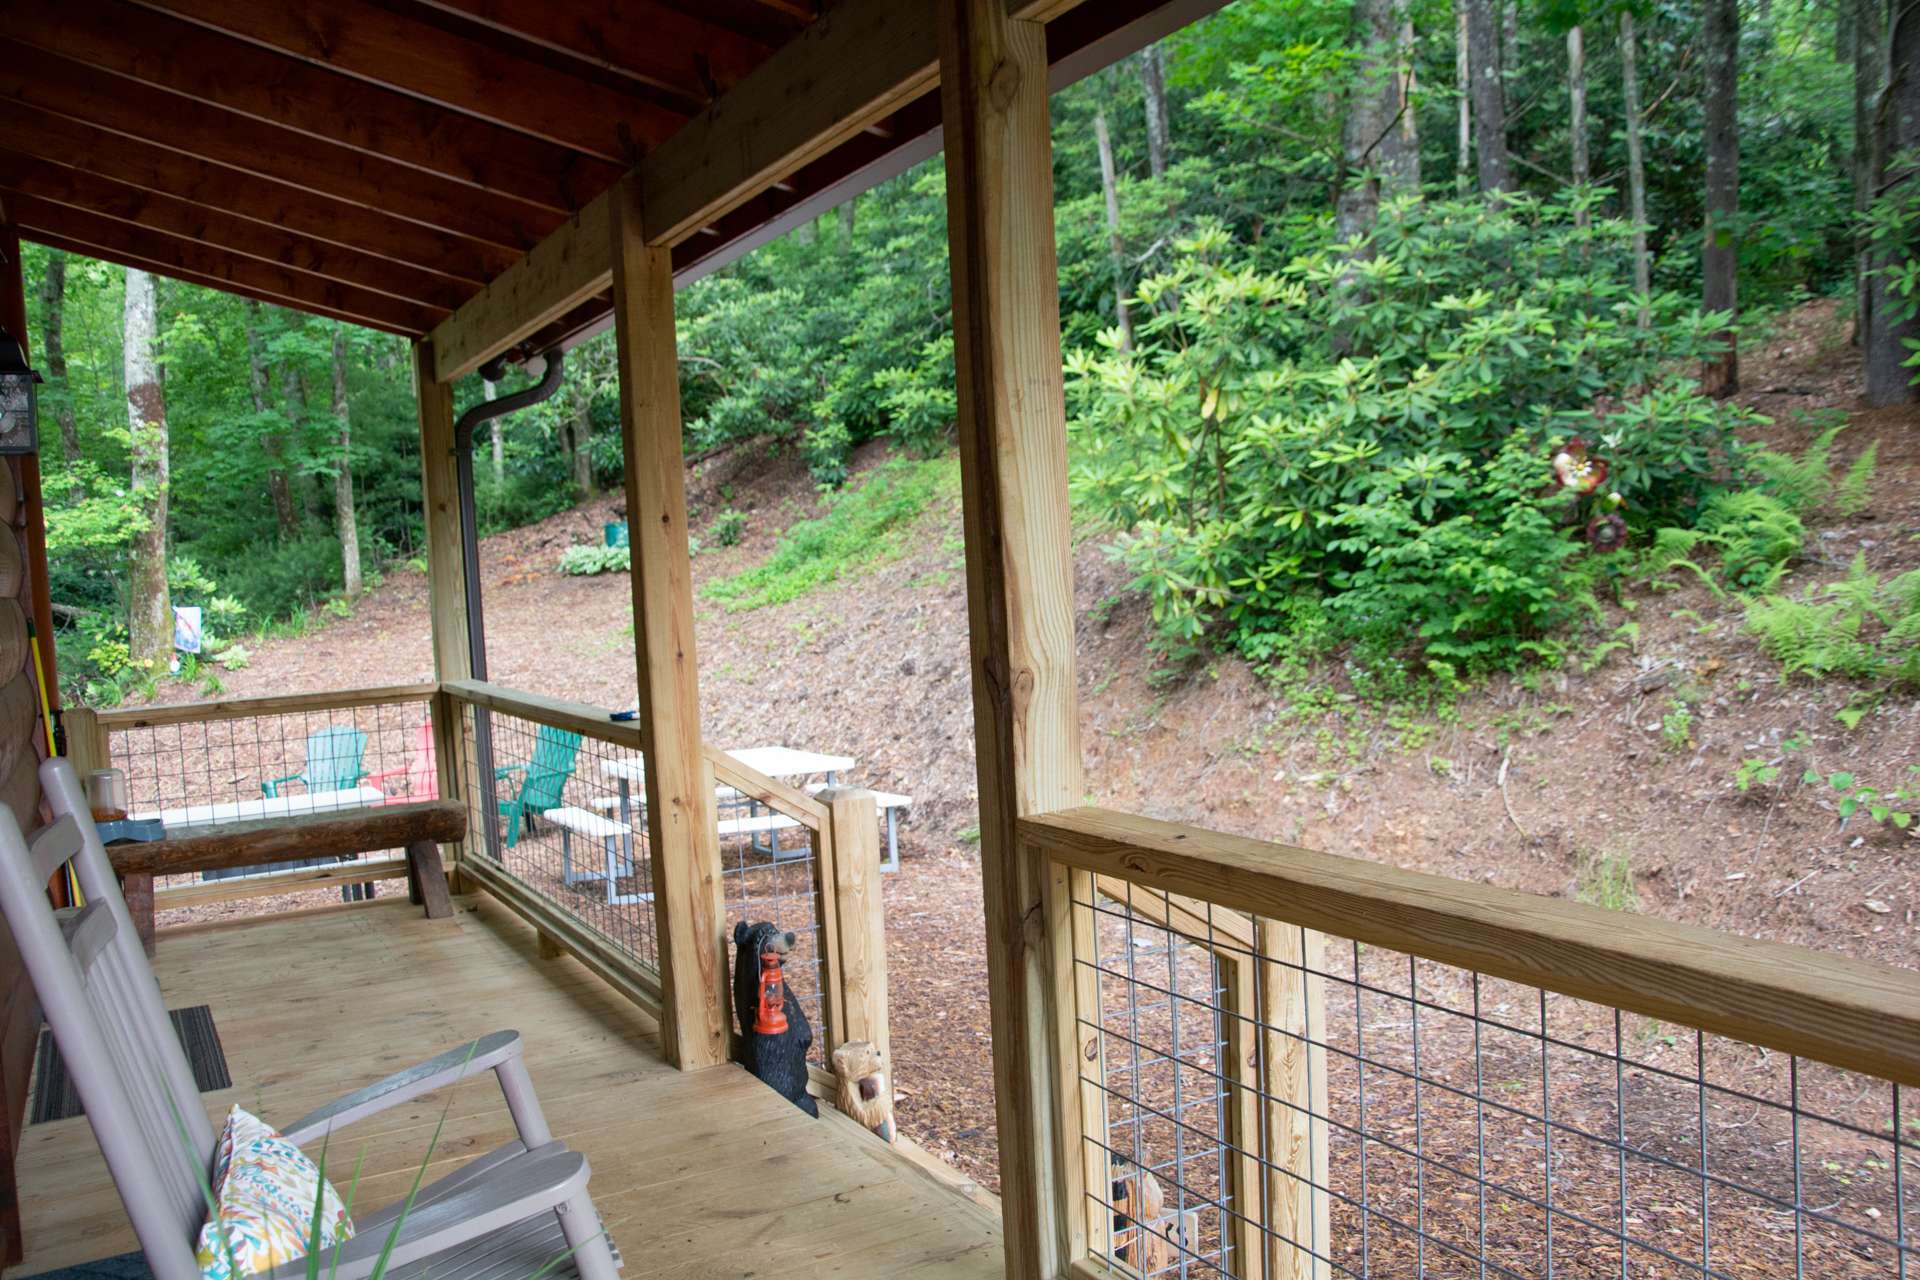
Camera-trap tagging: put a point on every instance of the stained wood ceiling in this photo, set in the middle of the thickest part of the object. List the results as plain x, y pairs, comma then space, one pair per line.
381, 160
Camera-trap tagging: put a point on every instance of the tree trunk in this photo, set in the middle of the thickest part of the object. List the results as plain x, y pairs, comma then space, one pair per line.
583, 432
1720, 259
272, 443
1636, 167
1409, 118
1864, 31
846, 224
344, 523
1896, 141
1373, 152
1109, 186
1463, 90
1577, 114
150, 609
498, 441
1153, 81
1489, 99
53, 306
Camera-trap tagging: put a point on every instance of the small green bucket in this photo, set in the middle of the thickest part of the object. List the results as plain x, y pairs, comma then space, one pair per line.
615, 532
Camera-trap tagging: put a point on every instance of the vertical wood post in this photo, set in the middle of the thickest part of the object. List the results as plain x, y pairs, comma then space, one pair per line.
1013, 465
446, 585
680, 825
1293, 1011
859, 955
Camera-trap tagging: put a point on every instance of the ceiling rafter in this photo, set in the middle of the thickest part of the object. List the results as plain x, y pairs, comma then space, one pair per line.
101, 237
642, 39
408, 53
128, 107
58, 184
144, 164
166, 52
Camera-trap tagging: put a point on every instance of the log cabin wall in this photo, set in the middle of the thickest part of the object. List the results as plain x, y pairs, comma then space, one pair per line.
23, 744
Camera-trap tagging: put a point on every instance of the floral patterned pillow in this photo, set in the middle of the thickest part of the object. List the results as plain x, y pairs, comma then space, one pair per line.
265, 1188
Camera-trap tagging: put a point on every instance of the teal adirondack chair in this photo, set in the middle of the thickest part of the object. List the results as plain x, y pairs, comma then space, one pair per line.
541, 780
336, 760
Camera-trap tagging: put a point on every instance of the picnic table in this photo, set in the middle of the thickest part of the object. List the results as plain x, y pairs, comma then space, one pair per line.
287, 806
775, 762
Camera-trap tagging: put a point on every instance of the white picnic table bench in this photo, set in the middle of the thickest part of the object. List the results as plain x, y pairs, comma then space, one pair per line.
775, 762
287, 806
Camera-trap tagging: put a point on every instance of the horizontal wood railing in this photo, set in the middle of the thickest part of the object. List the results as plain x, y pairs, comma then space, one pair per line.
577, 717
114, 718
1848, 1013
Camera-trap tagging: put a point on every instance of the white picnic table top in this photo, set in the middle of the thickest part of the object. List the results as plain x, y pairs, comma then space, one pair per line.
265, 807
775, 762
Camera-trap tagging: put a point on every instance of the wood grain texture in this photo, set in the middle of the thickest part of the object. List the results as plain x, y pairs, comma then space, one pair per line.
19, 713
255, 82
859, 978
1012, 430
440, 496
807, 810
1849, 1013
222, 846
568, 267
14, 649
276, 704
13, 567
266, 886
1295, 1205
404, 52
690, 915
577, 717
427, 879
702, 1174
9, 495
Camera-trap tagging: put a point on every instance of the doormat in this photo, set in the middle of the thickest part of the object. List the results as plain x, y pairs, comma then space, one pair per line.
129, 1266
55, 1098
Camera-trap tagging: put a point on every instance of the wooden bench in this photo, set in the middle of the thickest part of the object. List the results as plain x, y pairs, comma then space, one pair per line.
419, 829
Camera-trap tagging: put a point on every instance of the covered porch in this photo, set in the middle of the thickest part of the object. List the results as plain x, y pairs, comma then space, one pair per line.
1213, 1056
694, 1173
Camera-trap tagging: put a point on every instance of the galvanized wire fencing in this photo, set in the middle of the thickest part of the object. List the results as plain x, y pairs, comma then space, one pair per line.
1256, 1098
209, 763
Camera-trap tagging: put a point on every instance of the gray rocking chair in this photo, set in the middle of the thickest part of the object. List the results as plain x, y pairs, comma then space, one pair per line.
510, 1213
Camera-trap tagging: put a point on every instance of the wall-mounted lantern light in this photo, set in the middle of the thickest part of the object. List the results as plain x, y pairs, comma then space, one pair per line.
19, 400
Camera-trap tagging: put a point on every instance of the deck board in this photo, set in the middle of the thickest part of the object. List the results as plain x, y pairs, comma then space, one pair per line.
697, 1175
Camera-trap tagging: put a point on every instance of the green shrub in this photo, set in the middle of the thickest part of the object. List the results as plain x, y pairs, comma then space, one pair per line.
729, 527
1383, 434
584, 560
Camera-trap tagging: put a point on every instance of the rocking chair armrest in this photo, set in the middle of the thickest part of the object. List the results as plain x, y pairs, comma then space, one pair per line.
483, 1055
537, 1181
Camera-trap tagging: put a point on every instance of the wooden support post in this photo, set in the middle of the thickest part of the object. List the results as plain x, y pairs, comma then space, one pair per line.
1240, 1008
87, 744
680, 823
858, 972
1293, 1011
446, 588
1013, 467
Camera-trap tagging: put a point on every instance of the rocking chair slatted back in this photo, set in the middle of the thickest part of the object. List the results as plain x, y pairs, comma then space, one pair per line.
114, 1033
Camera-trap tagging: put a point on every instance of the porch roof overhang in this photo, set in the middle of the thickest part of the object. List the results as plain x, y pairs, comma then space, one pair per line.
442, 168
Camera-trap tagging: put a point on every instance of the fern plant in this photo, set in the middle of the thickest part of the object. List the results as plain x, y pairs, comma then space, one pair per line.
1860, 628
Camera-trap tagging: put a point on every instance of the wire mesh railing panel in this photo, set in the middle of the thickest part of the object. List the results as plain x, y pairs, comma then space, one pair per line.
1274, 1102
568, 818
233, 768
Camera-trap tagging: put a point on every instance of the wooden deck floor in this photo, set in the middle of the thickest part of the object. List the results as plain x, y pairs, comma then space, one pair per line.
707, 1174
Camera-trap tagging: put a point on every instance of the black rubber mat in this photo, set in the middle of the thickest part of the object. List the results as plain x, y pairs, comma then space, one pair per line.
55, 1098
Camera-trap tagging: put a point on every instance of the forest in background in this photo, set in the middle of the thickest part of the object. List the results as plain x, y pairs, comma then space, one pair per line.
1351, 289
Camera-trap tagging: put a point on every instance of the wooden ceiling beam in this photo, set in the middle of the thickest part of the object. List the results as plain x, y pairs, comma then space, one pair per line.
648, 41
387, 46
127, 40
112, 102
101, 237
142, 164
58, 184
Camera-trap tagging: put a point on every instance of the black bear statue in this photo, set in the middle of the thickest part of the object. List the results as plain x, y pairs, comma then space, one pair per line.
774, 1033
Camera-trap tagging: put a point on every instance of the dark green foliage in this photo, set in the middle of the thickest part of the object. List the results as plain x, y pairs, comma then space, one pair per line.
1860, 628
1391, 449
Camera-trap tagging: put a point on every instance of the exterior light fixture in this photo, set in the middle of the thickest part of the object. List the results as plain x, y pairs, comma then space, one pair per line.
19, 400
